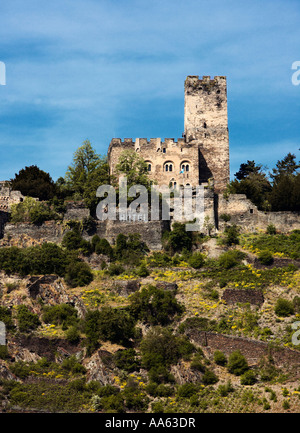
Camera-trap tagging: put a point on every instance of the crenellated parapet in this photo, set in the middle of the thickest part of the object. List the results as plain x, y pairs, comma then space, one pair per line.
130, 143
203, 151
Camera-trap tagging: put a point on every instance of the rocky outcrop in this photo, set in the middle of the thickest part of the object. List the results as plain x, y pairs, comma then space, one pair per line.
32, 348
126, 287
183, 373
51, 290
164, 285
100, 368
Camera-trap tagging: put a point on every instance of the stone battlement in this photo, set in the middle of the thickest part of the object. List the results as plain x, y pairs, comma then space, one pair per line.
206, 79
130, 142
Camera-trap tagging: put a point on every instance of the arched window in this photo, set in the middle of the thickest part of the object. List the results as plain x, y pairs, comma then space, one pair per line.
184, 167
168, 166
149, 165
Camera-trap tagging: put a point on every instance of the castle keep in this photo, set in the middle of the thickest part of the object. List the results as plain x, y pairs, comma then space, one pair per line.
202, 155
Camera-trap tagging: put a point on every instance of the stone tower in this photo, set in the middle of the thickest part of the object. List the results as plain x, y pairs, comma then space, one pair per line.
202, 153
206, 127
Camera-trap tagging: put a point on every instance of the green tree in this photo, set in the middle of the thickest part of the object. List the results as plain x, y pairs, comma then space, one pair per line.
252, 181
154, 306
27, 321
178, 238
237, 363
134, 167
78, 274
86, 173
32, 211
33, 182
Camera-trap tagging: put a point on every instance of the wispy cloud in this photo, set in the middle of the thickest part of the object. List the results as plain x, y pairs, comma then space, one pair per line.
95, 69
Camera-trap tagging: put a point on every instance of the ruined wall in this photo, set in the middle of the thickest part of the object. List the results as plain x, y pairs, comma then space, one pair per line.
76, 211
151, 231
26, 234
246, 215
253, 350
206, 126
251, 296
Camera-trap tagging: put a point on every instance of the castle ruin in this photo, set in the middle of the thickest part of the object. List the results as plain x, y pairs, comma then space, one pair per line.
202, 155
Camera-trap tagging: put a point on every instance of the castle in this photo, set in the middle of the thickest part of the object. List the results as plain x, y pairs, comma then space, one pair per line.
202, 155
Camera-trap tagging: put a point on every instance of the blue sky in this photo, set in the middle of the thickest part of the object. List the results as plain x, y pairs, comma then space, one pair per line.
98, 69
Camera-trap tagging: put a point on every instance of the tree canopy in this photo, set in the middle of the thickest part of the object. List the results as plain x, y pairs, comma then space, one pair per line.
86, 173
33, 182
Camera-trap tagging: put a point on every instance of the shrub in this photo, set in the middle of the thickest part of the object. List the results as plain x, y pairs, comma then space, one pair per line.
32, 211
126, 360
109, 324
72, 365
187, 390
3, 352
271, 229
130, 249
6, 317
154, 306
209, 378
224, 390
160, 348
196, 260
231, 235
61, 314
73, 335
284, 308
159, 259
237, 363
27, 321
78, 274
220, 358
48, 258
248, 378
72, 240
104, 247
115, 269
265, 257
178, 238
230, 259
142, 271
225, 217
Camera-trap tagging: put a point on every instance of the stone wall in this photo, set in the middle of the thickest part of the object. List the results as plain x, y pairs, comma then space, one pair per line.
253, 350
76, 211
27, 234
251, 296
204, 147
246, 215
158, 154
151, 231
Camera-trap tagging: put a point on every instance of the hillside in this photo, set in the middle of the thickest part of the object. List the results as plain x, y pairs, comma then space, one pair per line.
208, 331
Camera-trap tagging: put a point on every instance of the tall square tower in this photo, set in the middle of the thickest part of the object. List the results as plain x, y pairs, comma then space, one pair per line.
206, 126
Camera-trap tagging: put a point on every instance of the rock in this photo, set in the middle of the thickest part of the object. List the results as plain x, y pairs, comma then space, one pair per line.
99, 367
51, 289
183, 373
126, 287
167, 286
5, 373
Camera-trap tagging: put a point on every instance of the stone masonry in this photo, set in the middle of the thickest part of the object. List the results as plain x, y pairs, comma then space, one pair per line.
203, 152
